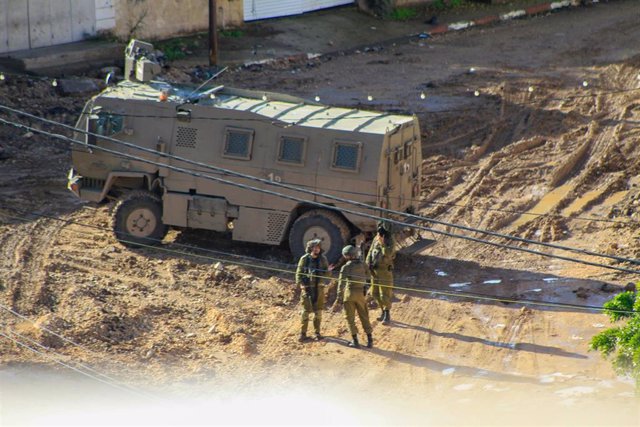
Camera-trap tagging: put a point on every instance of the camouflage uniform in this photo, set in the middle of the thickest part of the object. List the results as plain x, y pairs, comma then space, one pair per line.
311, 276
380, 262
351, 291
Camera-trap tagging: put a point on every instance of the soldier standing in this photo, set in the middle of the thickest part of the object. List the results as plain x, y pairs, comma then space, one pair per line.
380, 262
352, 288
311, 276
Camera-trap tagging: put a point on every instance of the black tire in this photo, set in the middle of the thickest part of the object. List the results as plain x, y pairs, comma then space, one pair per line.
330, 227
137, 219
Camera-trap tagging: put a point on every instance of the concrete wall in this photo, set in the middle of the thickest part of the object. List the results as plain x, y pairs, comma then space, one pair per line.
105, 15
28, 24
156, 19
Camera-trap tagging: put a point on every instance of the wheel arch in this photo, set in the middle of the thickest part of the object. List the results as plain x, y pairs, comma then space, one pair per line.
303, 208
131, 181
331, 221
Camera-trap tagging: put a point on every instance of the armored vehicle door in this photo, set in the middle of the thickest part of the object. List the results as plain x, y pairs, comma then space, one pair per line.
401, 167
394, 182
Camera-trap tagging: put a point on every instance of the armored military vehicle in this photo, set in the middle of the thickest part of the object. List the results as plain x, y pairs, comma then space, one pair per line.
368, 157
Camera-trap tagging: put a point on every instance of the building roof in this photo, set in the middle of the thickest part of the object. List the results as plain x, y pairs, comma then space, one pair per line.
274, 107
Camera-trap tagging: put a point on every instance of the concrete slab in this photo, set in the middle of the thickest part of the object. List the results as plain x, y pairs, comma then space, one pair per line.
64, 59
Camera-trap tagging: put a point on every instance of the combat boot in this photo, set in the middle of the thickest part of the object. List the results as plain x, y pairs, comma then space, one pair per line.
381, 317
354, 343
369, 341
318, 336
387, 317
303, 337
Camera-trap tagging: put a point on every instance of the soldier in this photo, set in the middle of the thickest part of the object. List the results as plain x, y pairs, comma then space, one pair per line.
380, 262
352, 288
311, 276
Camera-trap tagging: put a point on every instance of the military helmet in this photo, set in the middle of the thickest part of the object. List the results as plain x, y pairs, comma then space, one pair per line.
313, 243
350, 250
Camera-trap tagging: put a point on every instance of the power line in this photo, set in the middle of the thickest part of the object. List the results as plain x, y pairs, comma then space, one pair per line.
310, 192
66, 365
97, 227
109, 380
363, 280
330, 207
628, 222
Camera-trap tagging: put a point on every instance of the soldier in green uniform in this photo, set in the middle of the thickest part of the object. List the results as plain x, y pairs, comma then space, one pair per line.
380, 262
311, 276
352, 288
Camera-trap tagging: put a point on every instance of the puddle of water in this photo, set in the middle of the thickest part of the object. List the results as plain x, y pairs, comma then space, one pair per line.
578, 204
550, 279
551, 378
547, 379
459, 285
448, 371
492, 281
615, 198
534, 290
491, 387
463, 387
575, 391
544, 205
561, 375
441, 273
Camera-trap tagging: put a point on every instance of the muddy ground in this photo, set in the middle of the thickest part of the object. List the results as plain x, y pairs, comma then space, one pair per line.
552, 131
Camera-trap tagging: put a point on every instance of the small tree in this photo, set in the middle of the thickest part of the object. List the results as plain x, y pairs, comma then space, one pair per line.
623, 342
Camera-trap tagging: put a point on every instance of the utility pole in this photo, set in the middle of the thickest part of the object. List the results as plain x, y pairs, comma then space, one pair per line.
213, 34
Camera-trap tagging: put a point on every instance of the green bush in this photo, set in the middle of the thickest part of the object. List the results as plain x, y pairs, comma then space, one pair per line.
178, 48
403, 14
232, 33
623, 343
444, 4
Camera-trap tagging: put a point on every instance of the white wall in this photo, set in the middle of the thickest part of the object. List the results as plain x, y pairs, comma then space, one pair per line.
105, 15
27, 24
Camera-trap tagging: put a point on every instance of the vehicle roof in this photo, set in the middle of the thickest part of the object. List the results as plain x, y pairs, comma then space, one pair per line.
274, 107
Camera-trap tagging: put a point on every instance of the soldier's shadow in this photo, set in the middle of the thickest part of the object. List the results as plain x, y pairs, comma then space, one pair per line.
434, 365
519, 346
458, 370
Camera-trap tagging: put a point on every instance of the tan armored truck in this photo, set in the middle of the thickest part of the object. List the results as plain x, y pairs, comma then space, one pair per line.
369, 157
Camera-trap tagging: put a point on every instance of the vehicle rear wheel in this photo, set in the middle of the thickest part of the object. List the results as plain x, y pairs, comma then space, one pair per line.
321, 224
137, 219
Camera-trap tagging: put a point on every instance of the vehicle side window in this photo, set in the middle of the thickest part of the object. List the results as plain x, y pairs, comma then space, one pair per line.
407, 149
397, 155
109, 124
291, 150
238, 143
346, 156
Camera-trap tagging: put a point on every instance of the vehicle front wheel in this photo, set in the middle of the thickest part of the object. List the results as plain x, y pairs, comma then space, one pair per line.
137, 219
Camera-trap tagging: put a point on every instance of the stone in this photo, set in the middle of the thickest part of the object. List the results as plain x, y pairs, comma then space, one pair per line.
609, 288
77, 86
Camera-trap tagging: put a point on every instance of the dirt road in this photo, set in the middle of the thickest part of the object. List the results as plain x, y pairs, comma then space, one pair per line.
564, 151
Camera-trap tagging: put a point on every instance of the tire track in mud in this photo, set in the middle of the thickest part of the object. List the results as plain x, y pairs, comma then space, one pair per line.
26, 252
